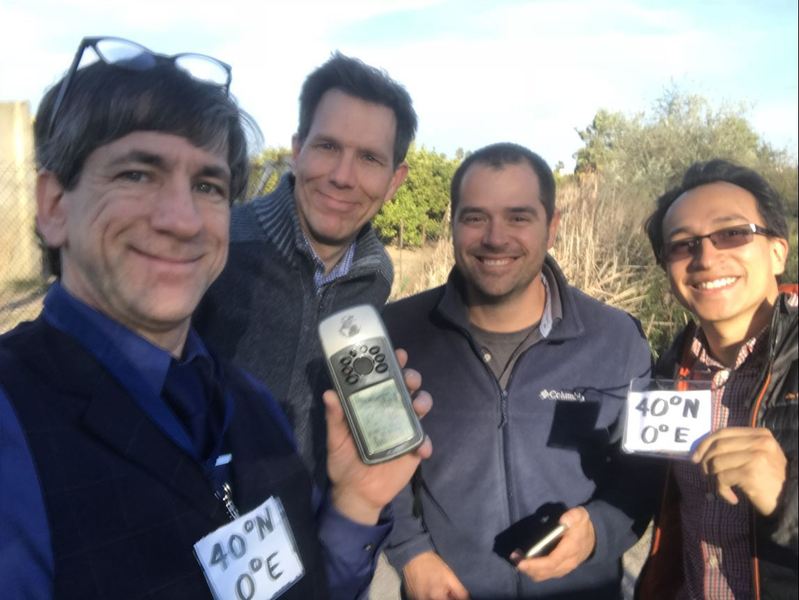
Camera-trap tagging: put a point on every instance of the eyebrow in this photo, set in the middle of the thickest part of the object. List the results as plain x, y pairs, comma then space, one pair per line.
719, 220
532, 210
156, 160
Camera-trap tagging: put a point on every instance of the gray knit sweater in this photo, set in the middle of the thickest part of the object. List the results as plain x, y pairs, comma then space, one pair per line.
262, 312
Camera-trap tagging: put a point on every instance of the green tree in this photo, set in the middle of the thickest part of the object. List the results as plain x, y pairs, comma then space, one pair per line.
266, 170
631, 160
419, 210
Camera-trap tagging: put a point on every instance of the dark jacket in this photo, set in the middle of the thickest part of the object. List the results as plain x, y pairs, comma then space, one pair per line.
773, 538
124, 504
503, 455
262, 312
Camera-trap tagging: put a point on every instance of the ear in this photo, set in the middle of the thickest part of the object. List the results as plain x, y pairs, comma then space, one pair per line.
779, 249
552, 229
51, 214
400, 173
296, 146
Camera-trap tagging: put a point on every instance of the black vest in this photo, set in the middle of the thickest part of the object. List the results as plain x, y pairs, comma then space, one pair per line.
124, 504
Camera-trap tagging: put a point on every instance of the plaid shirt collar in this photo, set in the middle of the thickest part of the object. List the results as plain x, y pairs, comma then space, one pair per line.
700, 351
342, 267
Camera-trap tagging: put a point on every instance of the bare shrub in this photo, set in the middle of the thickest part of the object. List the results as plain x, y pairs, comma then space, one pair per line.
599, 245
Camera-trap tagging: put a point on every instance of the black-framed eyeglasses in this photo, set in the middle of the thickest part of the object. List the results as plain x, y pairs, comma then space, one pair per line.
722, 239
130, 55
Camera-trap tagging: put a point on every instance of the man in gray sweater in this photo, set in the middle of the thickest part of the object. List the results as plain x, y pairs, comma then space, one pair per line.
307, 249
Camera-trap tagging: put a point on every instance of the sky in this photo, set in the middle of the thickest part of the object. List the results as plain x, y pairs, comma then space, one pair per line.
479, 71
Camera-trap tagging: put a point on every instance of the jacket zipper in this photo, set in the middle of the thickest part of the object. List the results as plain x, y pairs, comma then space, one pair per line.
503, 421
753, 423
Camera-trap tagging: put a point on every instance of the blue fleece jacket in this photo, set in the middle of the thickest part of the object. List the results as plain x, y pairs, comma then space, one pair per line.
501, 455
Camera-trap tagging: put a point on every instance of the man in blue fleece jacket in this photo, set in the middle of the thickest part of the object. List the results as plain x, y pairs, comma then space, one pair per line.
529, 376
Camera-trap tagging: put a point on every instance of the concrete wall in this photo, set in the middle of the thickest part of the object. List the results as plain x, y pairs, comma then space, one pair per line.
19, 253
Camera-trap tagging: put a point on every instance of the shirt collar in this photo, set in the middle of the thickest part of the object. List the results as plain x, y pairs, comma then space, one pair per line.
341, 268
130, 358
700, 351
454, 307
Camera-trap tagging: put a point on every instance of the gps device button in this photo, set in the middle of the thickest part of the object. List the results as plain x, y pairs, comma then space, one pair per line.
363, 365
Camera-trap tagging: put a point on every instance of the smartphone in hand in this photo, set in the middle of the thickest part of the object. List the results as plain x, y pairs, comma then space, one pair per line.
545, 545
369, 381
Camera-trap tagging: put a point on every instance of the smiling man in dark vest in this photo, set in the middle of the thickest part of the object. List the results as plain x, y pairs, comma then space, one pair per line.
133, 463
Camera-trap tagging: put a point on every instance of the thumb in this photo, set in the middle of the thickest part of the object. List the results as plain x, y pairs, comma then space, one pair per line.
332, 404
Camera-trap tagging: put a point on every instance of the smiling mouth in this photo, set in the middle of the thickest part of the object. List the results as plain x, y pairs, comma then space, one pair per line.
167, 259
495, 262
336, 201
715, 284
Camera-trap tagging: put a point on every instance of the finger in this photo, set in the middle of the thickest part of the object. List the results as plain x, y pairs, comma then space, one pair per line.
727, 493
333, 410
718, 463
425, 450
422, 404
457, 591
413, 379
729, 437
538, 569
402, 356
573, 516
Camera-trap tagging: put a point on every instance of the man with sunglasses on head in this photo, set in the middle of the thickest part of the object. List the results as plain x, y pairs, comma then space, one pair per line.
307, 250
727, 526
123, 441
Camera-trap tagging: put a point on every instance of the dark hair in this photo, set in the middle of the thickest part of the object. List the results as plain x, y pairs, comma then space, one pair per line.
105, 103
359, 80
769, 203
499, 155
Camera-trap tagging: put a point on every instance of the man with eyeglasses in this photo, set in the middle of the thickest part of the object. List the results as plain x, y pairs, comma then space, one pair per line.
133, 463
307, 249
727, 526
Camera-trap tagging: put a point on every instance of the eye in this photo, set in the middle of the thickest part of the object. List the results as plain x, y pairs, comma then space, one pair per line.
325, 146
733, 233
211, 189
682, 246
371, 158
132, 176
472, 219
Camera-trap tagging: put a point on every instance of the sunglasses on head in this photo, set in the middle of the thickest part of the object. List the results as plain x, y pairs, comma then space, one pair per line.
722, 239
135, 57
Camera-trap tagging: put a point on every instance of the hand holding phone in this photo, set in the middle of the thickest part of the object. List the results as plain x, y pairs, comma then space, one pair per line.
364, 370
575, 545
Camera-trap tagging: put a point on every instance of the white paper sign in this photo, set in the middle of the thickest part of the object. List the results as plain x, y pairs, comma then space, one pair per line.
253, 557
664, 421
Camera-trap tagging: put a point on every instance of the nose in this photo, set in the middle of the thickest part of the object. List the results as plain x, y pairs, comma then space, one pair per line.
343, 172
176, 211
494, 234
705, 254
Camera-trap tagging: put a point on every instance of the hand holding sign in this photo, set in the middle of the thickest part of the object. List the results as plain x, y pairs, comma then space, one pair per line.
666, 417
747, 458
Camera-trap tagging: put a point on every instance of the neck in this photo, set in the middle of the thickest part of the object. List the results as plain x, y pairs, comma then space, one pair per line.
328, 254
171, 336
725, 339
510, 313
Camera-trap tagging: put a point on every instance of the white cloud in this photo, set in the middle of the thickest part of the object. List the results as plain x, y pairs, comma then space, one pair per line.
530, 71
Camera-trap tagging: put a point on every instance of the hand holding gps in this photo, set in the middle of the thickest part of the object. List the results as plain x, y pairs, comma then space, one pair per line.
369, 382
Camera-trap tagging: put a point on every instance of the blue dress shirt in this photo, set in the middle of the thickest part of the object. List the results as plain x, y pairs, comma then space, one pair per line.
26, 560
